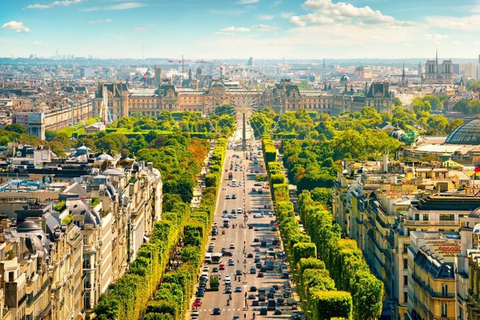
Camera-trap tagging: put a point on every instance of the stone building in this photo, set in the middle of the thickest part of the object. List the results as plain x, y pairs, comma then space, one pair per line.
436, 73
284, 97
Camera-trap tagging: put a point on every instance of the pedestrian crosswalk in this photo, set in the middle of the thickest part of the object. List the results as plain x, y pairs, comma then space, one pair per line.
223, 310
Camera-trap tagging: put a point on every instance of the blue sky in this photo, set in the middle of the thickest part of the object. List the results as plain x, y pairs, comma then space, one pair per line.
220, 29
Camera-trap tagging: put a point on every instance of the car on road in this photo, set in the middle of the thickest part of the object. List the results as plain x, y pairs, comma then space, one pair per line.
215, 269
249, 255
278, 311
239, 211
257, 184
236, 318
231, 262
195, 313
217, 311
227, 254
253, 270
228, 196
233, 211
200, 293
238, 272
198, 302
234, 196
225, 211
258, 215
255, 303
232, 245
257, 249
251, 296
238, 289
256, 240
206, 269
260, 275
228, 289
261, 297
253, 289
221, 266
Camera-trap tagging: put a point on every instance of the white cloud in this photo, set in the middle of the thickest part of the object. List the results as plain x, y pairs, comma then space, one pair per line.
436, 36
120, 6
16, 26
64, 3
325, 12
248, 1
266, 17
232, 30
37, 43
143, 29
265, 27
99, 21
468, 23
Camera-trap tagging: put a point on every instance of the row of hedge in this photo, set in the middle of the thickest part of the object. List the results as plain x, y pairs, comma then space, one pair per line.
130, 297
317, 290
173, 296
342, 258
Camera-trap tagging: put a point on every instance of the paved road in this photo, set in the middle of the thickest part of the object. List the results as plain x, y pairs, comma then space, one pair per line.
243, 237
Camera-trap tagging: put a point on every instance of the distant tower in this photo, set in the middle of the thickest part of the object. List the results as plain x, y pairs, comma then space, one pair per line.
404, 81
323, 63
190, 75
420, 69
158, 76
251, 62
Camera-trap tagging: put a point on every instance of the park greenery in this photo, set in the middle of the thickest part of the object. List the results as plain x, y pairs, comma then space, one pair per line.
129, 135
424, 117
334, 280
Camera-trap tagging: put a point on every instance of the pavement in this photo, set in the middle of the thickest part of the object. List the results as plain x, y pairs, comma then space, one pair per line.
244, 239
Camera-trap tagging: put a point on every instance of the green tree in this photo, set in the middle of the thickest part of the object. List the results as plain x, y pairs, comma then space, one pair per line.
15, 127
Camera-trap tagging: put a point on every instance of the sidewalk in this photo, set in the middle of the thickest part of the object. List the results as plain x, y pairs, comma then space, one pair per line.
197, 191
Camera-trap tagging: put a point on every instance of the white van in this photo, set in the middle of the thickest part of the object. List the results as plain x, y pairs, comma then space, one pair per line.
234, 183
208, 258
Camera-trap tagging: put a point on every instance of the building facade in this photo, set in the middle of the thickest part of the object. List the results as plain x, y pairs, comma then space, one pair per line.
284, 97
436, 73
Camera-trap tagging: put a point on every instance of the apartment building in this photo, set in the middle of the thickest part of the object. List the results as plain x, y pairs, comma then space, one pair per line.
431, 274
379, 204
64, 241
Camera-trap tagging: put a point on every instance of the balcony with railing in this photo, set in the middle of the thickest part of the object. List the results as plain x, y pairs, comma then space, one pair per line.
429, 290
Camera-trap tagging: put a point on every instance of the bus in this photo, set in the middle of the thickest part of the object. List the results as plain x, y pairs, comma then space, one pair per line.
214, 282
216, 258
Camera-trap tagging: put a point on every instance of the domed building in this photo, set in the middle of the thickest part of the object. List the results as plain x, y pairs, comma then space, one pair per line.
466, 134
463, 145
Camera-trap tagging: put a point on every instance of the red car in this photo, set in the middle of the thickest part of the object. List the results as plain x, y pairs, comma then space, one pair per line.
260, 274
197, 303
221, 266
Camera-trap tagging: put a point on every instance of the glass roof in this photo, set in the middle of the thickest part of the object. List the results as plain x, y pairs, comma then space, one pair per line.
468, 133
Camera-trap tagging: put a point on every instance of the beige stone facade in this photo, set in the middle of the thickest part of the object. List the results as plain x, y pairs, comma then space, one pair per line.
283, 98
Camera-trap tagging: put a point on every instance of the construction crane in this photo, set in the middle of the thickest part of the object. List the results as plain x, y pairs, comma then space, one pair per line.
182, 62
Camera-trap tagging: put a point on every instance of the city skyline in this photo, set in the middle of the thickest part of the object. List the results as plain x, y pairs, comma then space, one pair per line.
210, 29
